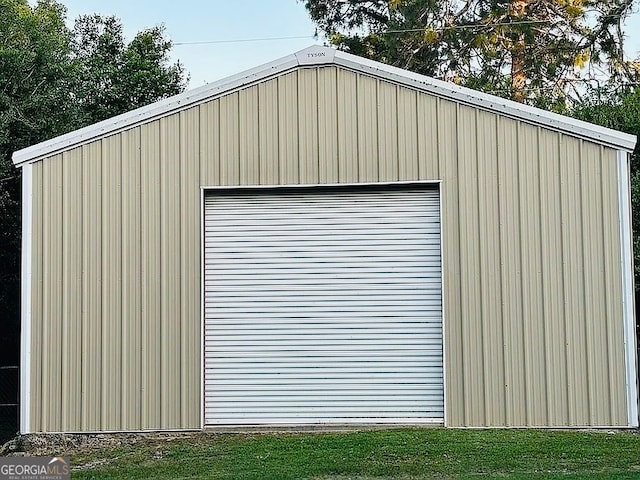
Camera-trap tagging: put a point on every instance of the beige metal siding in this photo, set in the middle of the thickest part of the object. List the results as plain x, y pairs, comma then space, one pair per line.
119, 348
131, 413
150, 194
71, 291
189, 359
532, 280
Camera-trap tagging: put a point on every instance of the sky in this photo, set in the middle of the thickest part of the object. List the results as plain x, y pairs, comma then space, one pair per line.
228, 24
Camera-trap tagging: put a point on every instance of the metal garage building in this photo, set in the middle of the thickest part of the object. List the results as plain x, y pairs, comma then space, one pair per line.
328, 240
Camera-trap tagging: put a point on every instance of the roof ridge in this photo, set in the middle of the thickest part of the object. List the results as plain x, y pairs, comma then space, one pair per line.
321, 55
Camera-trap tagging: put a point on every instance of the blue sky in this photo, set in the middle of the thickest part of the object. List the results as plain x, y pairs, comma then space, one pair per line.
222, 21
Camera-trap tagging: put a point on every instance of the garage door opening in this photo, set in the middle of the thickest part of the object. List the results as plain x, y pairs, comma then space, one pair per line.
323, 306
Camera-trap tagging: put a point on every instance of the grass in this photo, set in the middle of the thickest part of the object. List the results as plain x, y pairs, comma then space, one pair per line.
405, 454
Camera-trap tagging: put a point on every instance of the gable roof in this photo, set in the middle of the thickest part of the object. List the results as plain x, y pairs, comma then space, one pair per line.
314, 56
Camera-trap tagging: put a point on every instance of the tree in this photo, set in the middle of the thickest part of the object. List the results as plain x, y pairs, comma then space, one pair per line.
539, 51
34, 60
112, 77
54, 80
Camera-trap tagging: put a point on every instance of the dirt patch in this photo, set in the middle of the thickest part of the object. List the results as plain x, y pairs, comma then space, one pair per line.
83, 444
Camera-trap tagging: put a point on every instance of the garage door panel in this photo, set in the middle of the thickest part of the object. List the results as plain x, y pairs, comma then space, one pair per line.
330, 315
323, 307
321, 378
319, 362
423, 358
380, 341
378, 288
361, 283
309, 326
298, 388
229, 252
230, 300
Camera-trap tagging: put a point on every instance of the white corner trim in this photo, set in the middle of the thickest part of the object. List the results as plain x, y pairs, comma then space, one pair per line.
25, 307
203, 396
630, 349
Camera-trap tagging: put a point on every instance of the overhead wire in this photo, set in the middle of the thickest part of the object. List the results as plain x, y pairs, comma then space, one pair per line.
386, 32
243, 40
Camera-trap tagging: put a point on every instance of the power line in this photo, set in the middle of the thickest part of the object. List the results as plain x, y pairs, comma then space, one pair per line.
243, 40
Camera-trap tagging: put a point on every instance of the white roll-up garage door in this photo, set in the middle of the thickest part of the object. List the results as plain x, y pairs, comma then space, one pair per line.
323, 307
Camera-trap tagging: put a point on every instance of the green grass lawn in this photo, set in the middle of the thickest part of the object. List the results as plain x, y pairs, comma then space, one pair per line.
366, 455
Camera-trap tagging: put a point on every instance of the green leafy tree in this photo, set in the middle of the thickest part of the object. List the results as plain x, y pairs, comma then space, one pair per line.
538, 51
34, 61
111, 76
54, 80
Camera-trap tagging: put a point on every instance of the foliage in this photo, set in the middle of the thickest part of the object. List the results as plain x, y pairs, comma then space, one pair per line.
34, 56
111, 77
388, 454
54, 80
539, 51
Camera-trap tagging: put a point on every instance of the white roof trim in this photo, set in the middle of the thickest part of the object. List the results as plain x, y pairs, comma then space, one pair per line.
317, 55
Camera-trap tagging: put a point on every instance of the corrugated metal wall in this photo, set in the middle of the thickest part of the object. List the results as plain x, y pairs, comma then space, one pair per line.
533, 302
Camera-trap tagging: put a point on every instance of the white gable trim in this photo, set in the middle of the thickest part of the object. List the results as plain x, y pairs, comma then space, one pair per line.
314, 56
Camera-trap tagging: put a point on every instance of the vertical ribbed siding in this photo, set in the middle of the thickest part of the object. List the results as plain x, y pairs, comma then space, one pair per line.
552, 258
347, 127
116, 311
170, 201
189, 315
111, 273
131, 413
72, 291
510, 284
91, 287
407, 146
444, 116
367, 102
327, 122
150, 315
268, 145
308, 128
37, 299
489, 262
469, 256
532, 280
51, 326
